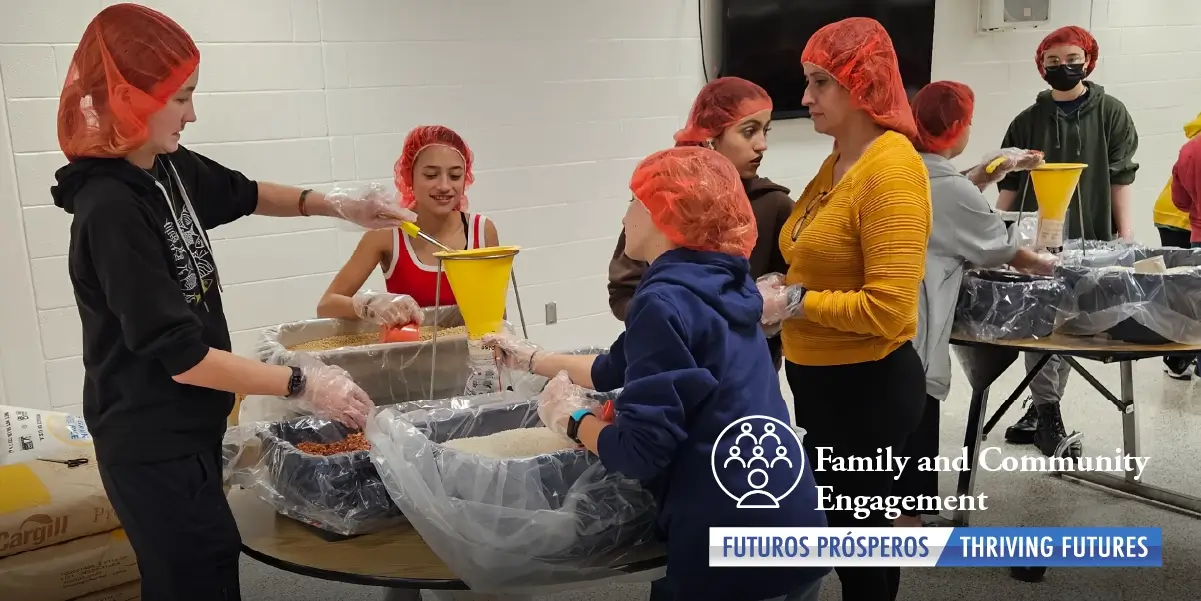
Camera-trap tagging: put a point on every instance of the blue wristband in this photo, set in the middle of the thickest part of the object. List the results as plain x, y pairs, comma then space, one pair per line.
573, 424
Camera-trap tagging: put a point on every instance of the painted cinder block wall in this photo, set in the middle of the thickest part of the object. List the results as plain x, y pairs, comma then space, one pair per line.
558, 98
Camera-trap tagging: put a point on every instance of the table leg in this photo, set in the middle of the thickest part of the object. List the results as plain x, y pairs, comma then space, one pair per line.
402, 594
971, 443
1017, 393
1169, 499
470, 596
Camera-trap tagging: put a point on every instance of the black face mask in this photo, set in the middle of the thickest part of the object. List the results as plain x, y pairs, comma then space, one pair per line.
1064, 77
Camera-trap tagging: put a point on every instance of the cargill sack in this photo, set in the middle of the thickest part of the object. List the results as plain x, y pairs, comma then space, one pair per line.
44, 503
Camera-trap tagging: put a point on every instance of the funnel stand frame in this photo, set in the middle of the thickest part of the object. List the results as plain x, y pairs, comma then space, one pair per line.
1079, 211
438, 305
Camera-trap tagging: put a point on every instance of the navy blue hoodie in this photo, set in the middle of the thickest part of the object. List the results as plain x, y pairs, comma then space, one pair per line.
692, 361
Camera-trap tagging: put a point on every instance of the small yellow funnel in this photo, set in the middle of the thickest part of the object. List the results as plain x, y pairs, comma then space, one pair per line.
1054, 185
480, 280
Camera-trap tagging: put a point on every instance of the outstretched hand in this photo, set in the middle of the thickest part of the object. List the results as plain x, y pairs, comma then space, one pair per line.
373, 206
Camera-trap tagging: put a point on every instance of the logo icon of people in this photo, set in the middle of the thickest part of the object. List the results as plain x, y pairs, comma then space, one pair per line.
752, 452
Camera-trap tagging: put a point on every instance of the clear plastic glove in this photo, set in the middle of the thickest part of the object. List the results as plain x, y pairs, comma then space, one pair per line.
512, 351
1045, 265
330, 393
373, 206
559, 400
780, 302
385, 308
1012, 159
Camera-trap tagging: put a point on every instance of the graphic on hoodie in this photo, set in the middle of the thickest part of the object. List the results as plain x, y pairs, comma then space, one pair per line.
188, 247
193, 264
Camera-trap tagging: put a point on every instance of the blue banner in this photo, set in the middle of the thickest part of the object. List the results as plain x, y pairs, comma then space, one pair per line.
1109, 547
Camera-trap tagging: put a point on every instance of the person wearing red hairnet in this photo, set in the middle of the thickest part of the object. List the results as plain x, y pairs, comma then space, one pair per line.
159, 376
856, 252
1177, 216
1075, 121
732, 116
432, 174
691, 363
965, 232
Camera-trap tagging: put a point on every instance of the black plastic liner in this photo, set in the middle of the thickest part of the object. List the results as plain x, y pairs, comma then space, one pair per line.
341, 494
1107, 297
1006, 305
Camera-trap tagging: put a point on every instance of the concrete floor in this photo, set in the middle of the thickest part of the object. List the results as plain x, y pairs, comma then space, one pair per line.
1170, 416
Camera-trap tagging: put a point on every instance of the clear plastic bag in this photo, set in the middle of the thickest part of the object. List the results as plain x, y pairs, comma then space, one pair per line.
399, 371
506, 525
1022, 225
1006, 305
1107, 296
341, 493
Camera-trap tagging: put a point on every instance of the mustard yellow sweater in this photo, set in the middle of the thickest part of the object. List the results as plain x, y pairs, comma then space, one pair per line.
858, 247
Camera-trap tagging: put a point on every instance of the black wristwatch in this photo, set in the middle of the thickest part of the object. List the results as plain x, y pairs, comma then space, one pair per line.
573, 424
296, 383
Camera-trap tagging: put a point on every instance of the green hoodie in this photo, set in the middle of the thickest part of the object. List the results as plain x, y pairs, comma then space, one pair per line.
1099, 133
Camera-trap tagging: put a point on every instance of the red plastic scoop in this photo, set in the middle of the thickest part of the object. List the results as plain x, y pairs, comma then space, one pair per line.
406, 333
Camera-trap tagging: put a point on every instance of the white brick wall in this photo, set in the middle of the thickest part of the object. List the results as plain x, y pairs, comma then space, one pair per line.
559, 98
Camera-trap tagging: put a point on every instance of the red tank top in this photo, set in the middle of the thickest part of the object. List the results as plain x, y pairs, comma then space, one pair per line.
408, 275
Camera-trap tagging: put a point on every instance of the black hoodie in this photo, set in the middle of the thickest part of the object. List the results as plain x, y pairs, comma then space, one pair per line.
149, 298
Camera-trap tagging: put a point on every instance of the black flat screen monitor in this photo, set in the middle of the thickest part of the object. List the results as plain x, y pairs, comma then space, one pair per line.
762, 40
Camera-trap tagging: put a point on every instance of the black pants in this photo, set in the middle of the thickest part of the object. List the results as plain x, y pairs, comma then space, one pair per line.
854, 410
1178, 239
776, 348
180, 526
922, 443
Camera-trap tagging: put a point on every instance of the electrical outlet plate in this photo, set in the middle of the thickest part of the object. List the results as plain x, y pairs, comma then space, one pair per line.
1005, 15
552, 313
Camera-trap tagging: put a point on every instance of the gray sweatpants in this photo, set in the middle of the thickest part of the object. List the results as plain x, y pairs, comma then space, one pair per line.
1049, 383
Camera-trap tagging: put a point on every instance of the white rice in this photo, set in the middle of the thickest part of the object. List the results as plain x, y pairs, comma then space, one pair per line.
513, 444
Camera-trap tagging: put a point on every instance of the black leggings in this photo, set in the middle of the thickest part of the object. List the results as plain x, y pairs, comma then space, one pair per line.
922, 443
859, 410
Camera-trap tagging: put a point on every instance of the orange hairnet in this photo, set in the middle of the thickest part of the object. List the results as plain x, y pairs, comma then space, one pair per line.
721, 103
420, 138
1070, 36
696, 198
859, 55
128, 64
942, 111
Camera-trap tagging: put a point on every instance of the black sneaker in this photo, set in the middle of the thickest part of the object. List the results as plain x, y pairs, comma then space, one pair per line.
1028, 574
1177, 368
1022, 432
1050, 436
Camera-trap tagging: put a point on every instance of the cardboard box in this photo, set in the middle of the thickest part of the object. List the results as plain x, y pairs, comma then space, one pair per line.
44, 503
68, 570
130, 591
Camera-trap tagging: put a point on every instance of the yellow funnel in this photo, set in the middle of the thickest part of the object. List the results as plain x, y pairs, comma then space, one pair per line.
1054, 185
480, 280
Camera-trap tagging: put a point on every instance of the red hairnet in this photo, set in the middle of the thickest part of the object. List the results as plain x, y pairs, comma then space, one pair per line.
721, 103
942, 111
420, 138
1070, 36
128, 64
695, 197
859, 55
